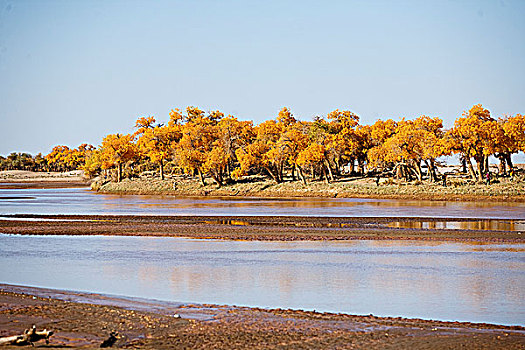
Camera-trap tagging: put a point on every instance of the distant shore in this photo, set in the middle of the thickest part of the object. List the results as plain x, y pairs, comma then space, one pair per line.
18, 179
85, 320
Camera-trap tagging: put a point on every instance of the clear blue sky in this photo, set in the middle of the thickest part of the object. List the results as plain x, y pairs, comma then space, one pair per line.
75, 71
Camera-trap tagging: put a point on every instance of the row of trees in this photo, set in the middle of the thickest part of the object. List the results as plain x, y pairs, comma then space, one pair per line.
210, 144
61, 158
225, 148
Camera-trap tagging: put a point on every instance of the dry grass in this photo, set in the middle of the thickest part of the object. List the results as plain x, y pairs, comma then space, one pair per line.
457, 188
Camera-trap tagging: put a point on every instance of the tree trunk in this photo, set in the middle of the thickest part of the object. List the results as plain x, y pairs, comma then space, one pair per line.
161, 167
480, 162
431, 170
352, 166
398, 171
275, 176
417, 168
201, 177
327, 180
327, 166
470, 168
361, 166
301, 175
119, 172
338, 167
502, 167
509, 160
217, 179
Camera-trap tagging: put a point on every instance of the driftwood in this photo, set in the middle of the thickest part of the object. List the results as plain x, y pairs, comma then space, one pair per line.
29, 337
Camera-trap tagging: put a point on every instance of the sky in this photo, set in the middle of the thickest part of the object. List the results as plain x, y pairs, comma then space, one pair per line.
74, 71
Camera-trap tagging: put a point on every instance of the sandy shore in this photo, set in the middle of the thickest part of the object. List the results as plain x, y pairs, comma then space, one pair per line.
83, 320
501, 190
18, 179
249, 228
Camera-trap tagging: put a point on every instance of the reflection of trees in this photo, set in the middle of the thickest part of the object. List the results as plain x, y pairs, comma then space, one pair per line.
494, 225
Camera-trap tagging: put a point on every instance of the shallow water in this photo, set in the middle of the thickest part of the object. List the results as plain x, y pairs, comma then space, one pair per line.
83, 201
483, 225
445, 281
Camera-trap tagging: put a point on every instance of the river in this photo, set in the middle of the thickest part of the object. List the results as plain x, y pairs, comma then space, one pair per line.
83, 201
444, 281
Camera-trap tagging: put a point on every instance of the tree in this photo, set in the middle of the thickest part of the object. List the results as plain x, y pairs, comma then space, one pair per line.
313, 156
157, 142
343, 143
143, 124
511, 141
363, 145
379, 132
295, 140
269, 150
413, 142
198, 136
475, 135
57, 158
93, 163
62, 158
232, 135
117, 149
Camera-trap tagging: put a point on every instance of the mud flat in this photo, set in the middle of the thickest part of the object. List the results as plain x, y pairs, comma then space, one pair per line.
270, 228
84, 320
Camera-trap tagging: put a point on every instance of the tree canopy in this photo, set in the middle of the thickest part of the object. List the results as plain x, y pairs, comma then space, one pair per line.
210, 144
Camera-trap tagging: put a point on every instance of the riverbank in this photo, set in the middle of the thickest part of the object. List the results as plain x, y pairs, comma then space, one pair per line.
18, 179
84, 320
458, 189
268, 228
503, 190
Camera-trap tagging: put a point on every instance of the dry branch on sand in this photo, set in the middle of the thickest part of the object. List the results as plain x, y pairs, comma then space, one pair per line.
29, 337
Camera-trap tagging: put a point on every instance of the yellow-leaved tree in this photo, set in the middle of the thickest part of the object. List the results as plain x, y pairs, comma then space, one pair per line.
198, 135
118, 149
475, 135
157, 142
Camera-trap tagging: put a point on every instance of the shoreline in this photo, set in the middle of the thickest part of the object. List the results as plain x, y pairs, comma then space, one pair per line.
84, 320
502, 190
259, 228
23, 179
295, 190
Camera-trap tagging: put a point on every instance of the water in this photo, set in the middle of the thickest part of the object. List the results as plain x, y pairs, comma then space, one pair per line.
83, 201
445, 281
486, 225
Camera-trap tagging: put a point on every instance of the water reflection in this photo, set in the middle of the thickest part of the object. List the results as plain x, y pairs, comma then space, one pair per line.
494, 225
83, 201
446, 281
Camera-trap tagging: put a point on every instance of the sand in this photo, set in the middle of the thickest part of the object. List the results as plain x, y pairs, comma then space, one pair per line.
84, 321
276, 228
